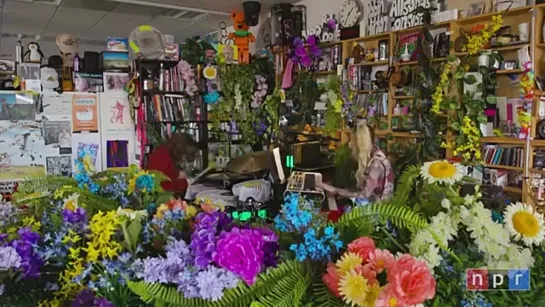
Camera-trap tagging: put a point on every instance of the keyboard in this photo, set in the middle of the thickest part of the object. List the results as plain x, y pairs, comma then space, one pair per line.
305, 184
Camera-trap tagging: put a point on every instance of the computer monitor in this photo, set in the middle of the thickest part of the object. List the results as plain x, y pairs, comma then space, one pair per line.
277, 169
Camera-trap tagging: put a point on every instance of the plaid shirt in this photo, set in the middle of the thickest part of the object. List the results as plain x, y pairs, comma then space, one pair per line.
378, 182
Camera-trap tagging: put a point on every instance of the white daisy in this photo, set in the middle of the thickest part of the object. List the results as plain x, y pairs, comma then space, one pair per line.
71, 202
441, 171
131, 214
525, 224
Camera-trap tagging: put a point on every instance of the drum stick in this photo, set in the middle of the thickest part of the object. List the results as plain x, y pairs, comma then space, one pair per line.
212, 166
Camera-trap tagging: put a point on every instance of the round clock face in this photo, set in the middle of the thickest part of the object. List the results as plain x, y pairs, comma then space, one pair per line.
350, 13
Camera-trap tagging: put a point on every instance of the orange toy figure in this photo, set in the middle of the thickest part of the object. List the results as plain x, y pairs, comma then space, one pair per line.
241, 36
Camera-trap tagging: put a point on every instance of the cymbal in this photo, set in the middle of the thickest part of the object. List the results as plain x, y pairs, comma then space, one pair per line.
224, 176
249, 163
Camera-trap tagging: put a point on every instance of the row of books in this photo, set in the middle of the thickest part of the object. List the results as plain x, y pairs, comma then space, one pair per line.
508, 156
168, 108
172, 80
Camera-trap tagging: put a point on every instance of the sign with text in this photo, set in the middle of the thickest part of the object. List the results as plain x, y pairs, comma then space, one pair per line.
498, 280
377, 19
401, 12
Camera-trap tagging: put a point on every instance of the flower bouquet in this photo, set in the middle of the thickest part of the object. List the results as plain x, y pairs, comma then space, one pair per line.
368, 276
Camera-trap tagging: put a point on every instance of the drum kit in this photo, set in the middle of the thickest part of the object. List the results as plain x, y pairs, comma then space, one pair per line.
238, 187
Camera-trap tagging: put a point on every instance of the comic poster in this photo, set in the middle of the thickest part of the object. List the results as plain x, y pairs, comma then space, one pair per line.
84, 113
23, 149
115, 114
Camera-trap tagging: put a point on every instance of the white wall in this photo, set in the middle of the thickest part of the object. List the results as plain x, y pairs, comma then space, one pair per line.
316, 9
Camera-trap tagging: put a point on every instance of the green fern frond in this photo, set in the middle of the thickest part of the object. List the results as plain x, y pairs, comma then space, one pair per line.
41, 184
405, 183
289, 291
399, 215
268, 285
322, 297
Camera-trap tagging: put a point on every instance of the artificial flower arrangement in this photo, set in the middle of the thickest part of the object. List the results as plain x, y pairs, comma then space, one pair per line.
463, 234
306, 52
188, 75
368, 276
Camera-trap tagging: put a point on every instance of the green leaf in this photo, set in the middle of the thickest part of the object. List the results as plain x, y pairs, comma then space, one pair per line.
455, 126
453, 105
451, 58
470, 79
491, 99
482, 119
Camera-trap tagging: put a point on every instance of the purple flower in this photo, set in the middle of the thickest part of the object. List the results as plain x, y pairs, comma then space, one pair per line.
203, 245
9, 258
300, 52
297, 42
270, 246
311, 40
306, 61
30, 260
241, 252
331, 24
102, 302
74, 217
315, 51
83, 299
213, 281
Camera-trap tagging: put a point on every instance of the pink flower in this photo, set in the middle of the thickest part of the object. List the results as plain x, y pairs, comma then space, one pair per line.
411, 280
381, 259
387, 298
241, 252
331, 279
363, 247
369, 274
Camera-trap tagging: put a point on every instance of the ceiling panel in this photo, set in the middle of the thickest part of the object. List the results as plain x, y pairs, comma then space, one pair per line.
74, 21
166, 1
138, 10
116, 25
97, 5
168, 25
29, 8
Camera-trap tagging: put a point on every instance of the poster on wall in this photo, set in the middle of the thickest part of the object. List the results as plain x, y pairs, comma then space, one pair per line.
117, 154
23, 150
58, 137
115, 114
87, 144
59, 165
57, 107
17, 107
84, 113
402, 16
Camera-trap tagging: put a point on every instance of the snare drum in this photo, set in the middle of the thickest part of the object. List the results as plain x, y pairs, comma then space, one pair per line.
259, 190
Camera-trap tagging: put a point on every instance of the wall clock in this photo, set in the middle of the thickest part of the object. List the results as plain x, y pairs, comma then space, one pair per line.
350, 13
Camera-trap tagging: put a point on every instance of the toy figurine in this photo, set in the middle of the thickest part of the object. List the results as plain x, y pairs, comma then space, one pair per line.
370, 54
35, 55
241, 36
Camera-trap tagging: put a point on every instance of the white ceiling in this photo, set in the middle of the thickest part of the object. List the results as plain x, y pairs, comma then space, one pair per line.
92, 21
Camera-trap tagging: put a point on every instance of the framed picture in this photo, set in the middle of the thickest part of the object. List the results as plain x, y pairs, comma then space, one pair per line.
115, 81
476, 9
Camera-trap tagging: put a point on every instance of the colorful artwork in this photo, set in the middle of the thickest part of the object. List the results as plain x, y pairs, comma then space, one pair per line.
117, 154
23, 148
16, 107
88, 149
84, 113
115, 114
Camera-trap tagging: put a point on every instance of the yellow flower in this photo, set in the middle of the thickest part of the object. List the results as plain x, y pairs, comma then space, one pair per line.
32, 223
161, 211
354, 289
190, 212
441, 171
71, 203
348, 262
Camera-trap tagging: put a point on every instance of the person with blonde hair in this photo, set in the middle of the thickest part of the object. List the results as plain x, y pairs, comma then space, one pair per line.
374, 176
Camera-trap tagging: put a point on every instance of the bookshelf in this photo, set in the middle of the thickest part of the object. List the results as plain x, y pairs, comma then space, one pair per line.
167, 107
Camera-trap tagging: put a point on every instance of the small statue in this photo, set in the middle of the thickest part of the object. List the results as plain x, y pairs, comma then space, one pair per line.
370, 54
34, 53
241, 36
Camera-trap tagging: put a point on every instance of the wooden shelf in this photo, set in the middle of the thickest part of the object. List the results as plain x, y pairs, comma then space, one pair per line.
407, 63
512, 190
515, 47
537, 143
375, 63
324, 73
506, 167
502, 140
509, 71
487, 17
384, 35
537, 171
404, 97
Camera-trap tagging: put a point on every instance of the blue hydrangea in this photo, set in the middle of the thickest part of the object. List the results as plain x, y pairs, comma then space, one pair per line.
295, 216
118, 190
317, 248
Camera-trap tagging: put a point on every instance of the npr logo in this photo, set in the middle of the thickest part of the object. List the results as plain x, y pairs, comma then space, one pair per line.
498, 280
